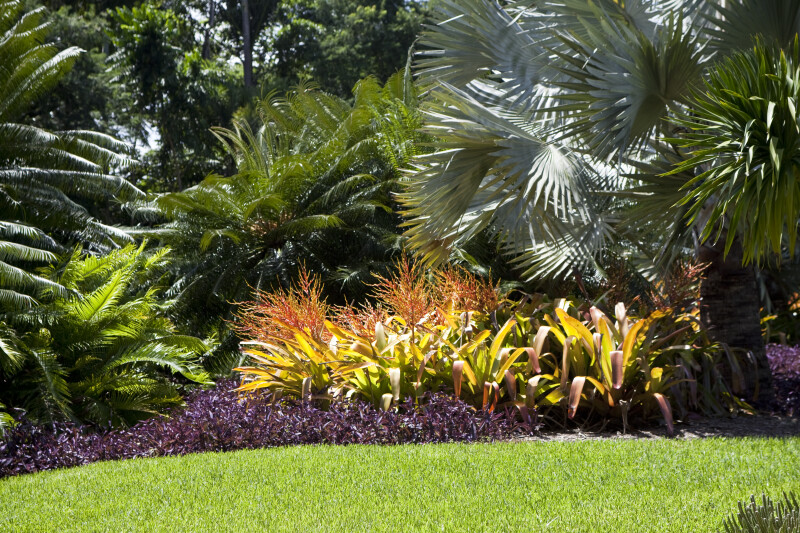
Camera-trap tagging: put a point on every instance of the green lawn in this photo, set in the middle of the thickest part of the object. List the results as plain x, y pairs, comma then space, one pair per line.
617, 486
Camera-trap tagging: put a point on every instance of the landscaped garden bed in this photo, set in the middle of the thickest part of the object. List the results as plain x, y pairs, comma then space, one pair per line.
220, 419
411, 372
402, 293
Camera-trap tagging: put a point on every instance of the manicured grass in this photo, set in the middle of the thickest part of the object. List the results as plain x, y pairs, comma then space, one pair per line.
630, 486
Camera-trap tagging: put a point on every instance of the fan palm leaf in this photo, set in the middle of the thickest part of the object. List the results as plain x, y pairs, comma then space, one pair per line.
596, 82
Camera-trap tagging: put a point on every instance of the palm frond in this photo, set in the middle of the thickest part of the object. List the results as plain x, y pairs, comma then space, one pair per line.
734, 25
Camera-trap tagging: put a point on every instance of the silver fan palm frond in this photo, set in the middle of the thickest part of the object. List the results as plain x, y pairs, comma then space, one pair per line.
491, 171
735, 24
543, 114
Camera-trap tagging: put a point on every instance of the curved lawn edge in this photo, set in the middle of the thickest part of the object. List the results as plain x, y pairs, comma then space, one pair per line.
634, 485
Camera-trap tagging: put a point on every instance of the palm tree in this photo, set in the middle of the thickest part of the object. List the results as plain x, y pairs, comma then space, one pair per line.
556, 124
46, 178
312, 189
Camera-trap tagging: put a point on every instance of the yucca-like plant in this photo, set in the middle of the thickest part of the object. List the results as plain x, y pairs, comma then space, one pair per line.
107, 353
745, 130
766, 517
313, 188
45, 175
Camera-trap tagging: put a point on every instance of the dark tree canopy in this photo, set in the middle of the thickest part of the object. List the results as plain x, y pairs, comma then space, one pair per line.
338, 42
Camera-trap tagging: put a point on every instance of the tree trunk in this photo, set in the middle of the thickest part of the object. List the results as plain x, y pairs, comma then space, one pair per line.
730, 308
247, 45
212, 11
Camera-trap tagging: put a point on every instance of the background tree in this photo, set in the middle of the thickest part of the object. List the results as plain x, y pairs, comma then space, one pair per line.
173, 72
338, 42
178, 94
247, 20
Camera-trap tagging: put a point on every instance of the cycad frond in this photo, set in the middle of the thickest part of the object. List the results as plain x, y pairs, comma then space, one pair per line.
72, 357
44, 176
313, 183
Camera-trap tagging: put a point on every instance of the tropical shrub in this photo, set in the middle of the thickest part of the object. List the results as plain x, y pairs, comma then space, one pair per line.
767, 517
98, 355
549, 359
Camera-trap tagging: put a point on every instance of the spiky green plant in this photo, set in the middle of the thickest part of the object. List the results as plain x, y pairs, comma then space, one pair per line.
766, 517
46, 178
105, 354
745, 130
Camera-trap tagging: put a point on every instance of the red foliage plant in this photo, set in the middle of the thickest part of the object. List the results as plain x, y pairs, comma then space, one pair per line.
274, 314
407, 294
680, 289
616, 283
361, 321
466, 291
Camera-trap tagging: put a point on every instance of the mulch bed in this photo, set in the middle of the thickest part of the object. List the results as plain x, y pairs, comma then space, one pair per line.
696, 427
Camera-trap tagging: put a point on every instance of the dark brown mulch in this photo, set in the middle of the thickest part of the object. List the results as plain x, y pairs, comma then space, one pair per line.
758, 426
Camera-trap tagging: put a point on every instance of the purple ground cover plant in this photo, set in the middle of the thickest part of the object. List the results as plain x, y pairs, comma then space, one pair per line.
785, 364
219, 420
